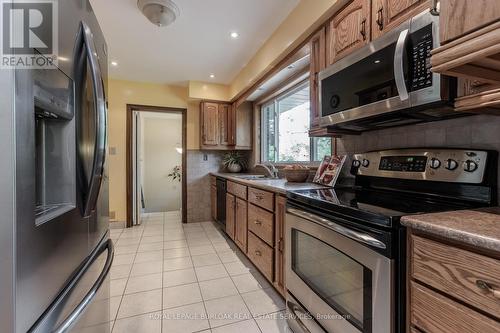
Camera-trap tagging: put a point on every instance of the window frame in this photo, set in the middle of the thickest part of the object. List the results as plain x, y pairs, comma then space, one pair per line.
264, 128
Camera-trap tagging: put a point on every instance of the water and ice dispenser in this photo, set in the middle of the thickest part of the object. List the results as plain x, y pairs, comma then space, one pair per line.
55, 156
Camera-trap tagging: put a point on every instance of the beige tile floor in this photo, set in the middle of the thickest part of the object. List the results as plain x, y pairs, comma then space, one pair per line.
169, 277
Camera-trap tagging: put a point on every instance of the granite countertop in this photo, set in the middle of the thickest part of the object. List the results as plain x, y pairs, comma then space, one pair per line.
479, 228
280, 186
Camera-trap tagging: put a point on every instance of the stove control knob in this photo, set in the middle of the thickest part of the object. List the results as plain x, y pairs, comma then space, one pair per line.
356, 163
470, 166
365, 163
435, 163
451, 164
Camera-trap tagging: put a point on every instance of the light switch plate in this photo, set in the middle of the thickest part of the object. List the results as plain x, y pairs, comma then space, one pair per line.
112, 150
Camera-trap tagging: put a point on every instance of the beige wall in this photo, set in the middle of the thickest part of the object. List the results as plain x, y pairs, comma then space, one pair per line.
203, 90
302, 21
122, 93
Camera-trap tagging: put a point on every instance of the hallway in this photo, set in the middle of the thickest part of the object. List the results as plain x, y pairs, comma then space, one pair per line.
169, 277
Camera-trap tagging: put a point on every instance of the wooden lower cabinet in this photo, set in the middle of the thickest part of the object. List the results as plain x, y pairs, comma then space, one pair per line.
279, 251
213, 200
257, 226
241, 225
262, 255
451, 288
230, 215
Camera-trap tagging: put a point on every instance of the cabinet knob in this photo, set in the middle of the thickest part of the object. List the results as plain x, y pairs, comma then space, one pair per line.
363, 29
258, 253
483, 285
257, 222
380, 18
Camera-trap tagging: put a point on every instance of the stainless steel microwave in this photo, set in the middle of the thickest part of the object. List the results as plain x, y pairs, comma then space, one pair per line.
388, 82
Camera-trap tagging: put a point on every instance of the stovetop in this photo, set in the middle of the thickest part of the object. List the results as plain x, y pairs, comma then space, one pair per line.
381, 207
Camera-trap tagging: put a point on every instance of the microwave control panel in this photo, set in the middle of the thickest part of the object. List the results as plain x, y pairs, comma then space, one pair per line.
420, 58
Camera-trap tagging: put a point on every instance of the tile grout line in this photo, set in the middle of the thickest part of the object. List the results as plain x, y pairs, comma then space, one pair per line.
125, 288
239, 294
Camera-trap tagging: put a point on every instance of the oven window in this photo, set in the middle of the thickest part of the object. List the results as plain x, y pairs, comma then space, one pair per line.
339, 280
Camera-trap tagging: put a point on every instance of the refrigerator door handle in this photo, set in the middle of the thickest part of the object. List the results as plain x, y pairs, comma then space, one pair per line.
46, 324
77, 312
100, 110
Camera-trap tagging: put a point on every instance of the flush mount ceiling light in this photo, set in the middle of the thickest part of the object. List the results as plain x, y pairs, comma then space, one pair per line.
159, 12
114, 63
234, 35
212, 76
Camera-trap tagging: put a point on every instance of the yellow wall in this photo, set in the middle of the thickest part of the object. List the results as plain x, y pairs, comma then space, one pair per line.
204, 90
302, 21
122, 93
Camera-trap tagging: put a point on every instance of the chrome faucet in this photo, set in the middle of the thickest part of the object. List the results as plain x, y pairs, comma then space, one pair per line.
271, 169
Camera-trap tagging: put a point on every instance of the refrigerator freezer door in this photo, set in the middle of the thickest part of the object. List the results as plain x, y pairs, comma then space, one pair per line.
83, 306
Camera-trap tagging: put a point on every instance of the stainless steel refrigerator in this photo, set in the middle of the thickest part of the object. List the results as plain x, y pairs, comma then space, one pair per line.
55, 251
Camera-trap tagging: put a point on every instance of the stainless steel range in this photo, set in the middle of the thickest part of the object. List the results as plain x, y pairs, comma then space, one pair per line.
345, 247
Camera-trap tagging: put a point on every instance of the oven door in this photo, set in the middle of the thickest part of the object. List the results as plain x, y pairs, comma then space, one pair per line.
334, 274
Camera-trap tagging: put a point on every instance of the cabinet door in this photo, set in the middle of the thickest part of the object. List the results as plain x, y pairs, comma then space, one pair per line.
459, 17
225, 124
240, 236
209, 124
213, 200
388, 14
279, 262
230, 215
349, 29
318, 54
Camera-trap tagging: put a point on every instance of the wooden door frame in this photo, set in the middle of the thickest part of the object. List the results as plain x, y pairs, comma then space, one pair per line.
129, 164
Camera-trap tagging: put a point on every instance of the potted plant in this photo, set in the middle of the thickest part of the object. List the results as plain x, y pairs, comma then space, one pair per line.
175, 174
234, 161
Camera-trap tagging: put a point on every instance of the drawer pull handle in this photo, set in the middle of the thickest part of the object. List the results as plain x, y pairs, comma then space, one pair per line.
259, 197
487, 287
258, 253
257, 222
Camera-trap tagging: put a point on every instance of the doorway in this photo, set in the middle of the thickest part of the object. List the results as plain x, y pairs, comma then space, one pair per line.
156, 162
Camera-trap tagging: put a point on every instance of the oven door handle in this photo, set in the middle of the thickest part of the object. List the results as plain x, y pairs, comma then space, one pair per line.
399, 74
352, 234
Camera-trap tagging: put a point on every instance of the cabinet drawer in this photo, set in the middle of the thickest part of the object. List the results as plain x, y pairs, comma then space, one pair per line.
261, 223
261, 255
213, 180
261, 198
237, 189
457, 272
434, 313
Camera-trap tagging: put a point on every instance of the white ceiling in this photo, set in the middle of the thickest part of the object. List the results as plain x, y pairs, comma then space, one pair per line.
195, 45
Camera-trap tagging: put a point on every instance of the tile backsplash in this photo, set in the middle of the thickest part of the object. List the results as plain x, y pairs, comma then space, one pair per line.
479, 132
200, 163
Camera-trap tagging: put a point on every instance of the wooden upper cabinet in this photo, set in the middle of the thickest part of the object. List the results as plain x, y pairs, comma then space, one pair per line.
225, 124
388, 14
318, 63
349, 30
460, 17
209, 115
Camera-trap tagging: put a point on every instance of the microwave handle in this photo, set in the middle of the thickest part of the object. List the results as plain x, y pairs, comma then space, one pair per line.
399, 74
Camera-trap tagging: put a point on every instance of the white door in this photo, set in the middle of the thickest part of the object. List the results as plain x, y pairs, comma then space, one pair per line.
138, 159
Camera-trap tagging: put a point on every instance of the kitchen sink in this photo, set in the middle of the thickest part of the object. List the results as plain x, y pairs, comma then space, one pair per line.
252, 177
